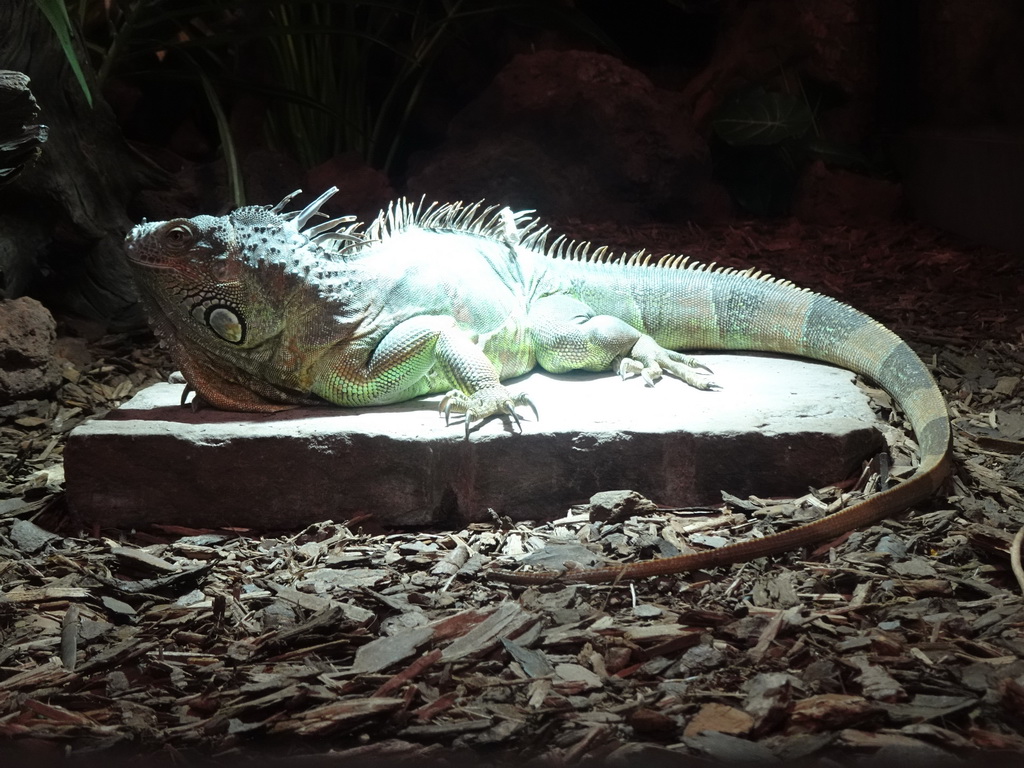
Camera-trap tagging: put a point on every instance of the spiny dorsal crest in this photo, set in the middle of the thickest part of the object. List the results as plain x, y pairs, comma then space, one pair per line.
344, 236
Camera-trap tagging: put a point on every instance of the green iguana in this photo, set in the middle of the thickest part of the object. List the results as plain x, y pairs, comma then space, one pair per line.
263, 311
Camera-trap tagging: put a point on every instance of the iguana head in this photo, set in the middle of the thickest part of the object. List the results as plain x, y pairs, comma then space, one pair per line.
202, 275
227, 294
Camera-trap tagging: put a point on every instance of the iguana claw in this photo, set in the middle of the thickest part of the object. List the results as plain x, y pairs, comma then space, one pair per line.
650, 368
197, 403
485, 402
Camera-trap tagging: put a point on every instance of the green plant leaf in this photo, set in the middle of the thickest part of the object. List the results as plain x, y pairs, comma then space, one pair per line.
759, 118
336, 75
57, 14
227, 143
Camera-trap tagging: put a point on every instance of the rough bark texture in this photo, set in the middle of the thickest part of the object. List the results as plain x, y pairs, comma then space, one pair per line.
63, 220
21, 141
21, 137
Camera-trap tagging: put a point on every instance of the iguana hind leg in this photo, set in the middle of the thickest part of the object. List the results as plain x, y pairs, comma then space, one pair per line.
649, 360
569, 336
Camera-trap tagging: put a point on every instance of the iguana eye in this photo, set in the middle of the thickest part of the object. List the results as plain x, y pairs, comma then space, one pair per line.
179, 237
226, 324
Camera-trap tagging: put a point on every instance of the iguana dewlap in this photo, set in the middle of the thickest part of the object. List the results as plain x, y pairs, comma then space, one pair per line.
262, 311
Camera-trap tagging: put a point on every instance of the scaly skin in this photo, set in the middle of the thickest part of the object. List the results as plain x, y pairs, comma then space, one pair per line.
262, 313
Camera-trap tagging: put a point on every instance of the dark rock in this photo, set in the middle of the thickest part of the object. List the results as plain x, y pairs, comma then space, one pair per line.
28, 367
574, 134
269, 176
193, 188
615, 506
838, 197
832, 42
362, 191
23, 243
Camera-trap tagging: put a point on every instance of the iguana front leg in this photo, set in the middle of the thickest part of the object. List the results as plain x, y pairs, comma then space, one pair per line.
569, 336
397, 369
479, 393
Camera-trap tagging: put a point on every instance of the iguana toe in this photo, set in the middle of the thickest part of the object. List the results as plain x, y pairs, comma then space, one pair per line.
489, 401
695, 374
197, 403
651, 368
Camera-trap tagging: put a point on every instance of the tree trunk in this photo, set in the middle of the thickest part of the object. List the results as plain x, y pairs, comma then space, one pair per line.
63, 220
21, 136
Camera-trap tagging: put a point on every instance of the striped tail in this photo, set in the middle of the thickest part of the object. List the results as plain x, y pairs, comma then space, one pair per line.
728, 310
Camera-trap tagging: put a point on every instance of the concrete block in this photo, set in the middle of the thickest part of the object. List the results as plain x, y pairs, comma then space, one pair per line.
776, 427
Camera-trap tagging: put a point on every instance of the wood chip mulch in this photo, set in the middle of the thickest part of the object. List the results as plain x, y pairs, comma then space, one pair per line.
903, 641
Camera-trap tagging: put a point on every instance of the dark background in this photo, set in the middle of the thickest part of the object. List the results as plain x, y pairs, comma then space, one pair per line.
875, 112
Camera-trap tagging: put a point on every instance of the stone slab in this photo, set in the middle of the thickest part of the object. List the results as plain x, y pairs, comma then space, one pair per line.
776, 427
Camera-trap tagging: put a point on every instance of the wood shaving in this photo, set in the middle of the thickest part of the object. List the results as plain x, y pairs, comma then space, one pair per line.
905, 638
